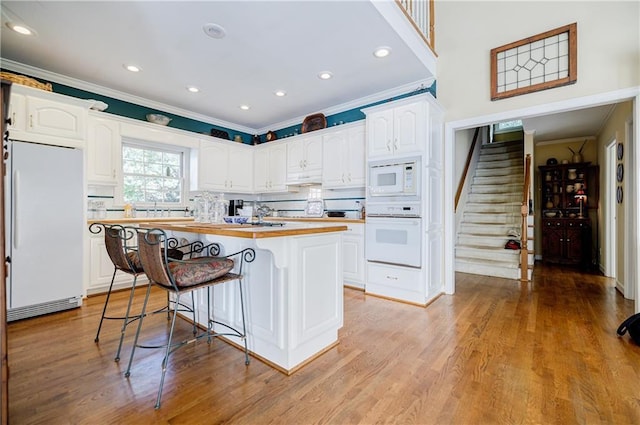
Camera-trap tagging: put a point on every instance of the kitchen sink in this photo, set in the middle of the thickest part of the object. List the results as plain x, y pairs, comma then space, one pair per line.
266, 223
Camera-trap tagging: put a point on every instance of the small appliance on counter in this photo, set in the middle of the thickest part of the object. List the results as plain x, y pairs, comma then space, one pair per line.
234, 206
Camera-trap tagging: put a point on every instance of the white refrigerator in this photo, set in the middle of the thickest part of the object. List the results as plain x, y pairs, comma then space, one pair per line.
44, 229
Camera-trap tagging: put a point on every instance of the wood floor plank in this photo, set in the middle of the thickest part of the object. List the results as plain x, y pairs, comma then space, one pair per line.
498, 351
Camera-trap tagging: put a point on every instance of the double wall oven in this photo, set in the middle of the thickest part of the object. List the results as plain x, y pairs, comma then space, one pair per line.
394, 224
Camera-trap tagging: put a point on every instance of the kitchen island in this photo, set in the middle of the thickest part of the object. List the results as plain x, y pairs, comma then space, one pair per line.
293, 288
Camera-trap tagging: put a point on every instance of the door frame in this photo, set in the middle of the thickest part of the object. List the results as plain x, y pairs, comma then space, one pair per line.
610, 217
633, 218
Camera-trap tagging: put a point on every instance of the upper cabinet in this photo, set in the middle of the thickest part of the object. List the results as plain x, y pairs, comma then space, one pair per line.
304, 159
396, 130
344, 157
44, 117
103, 151
225, 167
270, 165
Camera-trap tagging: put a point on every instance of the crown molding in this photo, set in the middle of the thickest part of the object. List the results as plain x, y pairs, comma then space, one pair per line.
126, 97
362, 102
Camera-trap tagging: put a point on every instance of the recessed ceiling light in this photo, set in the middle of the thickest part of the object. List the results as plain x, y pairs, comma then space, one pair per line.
132, 68
325, 75
214, 30
193, 89
20, 29
382, 52
280, 93
244, 107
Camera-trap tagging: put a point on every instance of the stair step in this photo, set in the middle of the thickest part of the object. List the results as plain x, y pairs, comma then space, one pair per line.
487, 241
494, 198
497, 188
508, 256
507, 219
499, 164
516, 170
510, 208
498, 180
496, 269
499, 156
495, 229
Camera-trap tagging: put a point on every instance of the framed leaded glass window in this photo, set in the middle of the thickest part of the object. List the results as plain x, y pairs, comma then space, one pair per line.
535, 63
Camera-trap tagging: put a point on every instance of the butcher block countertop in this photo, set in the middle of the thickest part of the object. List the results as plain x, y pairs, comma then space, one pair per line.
247, 230
139, 220
190, 219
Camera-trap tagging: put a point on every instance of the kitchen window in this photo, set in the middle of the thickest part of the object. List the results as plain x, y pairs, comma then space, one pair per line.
153, 174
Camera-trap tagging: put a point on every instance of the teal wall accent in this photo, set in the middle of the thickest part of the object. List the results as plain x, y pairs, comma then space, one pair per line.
131, 110
350, 115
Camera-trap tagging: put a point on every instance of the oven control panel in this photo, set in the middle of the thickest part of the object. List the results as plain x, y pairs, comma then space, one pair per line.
393, 210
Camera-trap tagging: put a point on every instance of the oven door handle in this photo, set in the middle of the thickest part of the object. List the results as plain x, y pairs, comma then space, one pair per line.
393, 220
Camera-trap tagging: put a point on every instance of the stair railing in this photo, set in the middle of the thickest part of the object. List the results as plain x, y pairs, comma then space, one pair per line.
421, 15
463, 177
524, 211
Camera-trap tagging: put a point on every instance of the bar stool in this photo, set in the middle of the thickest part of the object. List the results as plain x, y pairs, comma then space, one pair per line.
120, 245
179, 277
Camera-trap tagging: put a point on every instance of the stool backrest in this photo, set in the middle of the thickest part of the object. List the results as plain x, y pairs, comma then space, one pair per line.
115, 240
152, 252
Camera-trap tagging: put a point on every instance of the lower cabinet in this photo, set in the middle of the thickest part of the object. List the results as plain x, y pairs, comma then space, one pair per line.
101, 269
566, 241
353, 255
396, 282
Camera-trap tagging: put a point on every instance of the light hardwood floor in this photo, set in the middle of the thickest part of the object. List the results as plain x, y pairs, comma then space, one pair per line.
496, 352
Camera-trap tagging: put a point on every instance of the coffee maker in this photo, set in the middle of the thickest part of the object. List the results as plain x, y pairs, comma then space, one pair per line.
234, 206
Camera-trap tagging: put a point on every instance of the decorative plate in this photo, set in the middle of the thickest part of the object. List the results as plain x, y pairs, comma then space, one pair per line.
619, 194
271, 136
620, 151
620, 173
314, 122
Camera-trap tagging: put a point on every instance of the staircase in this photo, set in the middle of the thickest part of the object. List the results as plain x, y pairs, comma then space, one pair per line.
492, 212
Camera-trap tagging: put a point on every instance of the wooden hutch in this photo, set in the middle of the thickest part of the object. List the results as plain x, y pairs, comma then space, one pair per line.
567, 192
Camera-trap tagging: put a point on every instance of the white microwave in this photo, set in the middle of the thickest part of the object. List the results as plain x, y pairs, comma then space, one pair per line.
394, 177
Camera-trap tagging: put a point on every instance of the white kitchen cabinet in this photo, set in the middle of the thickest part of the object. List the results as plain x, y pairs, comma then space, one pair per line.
270, 168
398, 129
55, 118
17, 112
344, 158
101, 268
396, 282
353, 256
304, 159
104, 153
44, 117
224, 167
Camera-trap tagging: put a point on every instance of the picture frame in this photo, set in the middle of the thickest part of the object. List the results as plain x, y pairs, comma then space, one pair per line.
540, 62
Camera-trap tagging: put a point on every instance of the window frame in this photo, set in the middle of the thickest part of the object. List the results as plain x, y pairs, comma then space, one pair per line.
161, 147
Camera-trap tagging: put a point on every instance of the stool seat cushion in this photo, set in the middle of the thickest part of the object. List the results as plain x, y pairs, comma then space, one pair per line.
134, 259
199, 270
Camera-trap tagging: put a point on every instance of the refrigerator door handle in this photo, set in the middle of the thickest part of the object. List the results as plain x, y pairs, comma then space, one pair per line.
14, 213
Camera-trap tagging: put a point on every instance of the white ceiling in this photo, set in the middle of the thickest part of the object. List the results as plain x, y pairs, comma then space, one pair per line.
269, 46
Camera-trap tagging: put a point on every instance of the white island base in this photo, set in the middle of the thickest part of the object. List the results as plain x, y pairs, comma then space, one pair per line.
293, 296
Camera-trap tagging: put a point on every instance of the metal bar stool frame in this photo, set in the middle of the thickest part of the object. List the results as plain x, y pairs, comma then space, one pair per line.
119, 245
156, 265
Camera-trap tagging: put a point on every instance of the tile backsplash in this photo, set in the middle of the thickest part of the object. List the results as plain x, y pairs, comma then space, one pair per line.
101, 202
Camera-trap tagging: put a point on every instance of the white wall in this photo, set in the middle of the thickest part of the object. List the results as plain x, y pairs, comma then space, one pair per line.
608, 49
